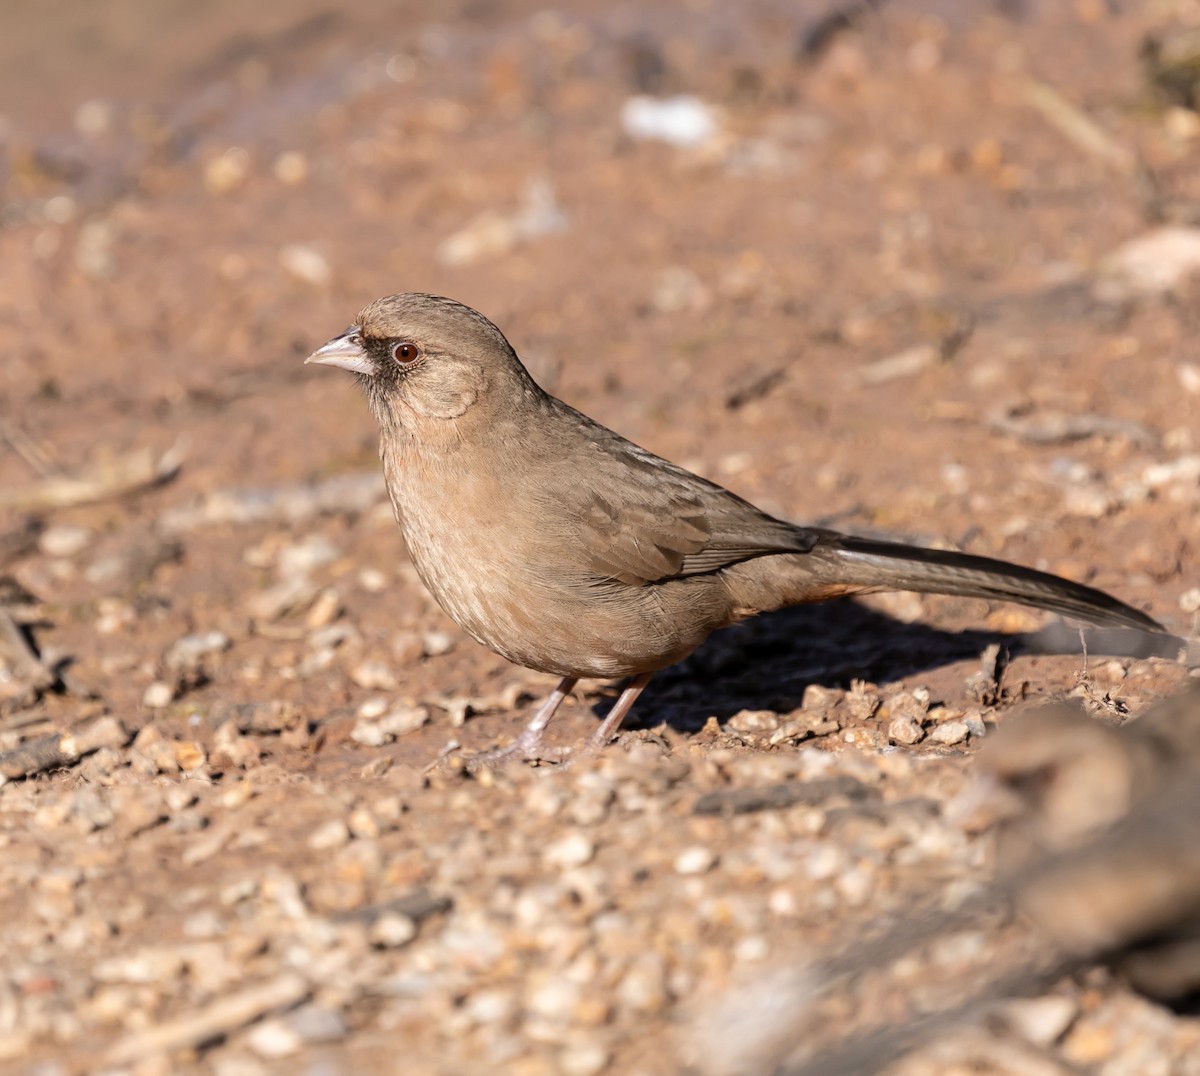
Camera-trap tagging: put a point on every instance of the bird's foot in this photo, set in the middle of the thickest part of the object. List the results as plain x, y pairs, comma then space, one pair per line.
527, 747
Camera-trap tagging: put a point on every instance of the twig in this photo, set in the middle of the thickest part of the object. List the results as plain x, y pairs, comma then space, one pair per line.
134, 473
1077, 126
214, 1021
784, 794
51, 752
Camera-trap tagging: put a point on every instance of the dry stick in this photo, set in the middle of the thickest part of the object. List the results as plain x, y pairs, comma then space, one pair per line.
783, 794
65, 749
214, 1021
133, 473
1077, 126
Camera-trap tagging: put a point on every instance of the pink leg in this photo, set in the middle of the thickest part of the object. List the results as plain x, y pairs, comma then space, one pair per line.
616, 715
528, 745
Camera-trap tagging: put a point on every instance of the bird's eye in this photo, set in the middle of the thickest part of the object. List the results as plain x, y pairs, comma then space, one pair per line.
405, 352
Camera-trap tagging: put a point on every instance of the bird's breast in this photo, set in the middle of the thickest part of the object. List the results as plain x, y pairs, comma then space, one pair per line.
515, 584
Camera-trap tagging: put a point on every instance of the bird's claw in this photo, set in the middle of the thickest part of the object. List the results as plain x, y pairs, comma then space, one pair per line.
525, 748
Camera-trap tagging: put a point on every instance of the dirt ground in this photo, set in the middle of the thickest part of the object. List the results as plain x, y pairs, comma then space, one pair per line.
891, 289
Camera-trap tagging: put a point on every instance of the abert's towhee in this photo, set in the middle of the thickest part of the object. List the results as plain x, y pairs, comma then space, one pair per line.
566, 548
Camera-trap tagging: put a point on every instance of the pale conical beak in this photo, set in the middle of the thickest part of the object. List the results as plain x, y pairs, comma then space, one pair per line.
345, 351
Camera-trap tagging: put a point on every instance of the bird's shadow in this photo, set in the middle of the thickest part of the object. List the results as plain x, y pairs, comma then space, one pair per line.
768, 662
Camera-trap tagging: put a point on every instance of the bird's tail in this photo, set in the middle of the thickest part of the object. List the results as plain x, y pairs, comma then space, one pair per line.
880, 565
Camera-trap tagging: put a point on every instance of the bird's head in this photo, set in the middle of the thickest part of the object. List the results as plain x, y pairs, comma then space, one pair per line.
424, 359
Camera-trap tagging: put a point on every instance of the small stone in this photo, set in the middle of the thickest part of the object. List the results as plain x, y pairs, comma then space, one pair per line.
817, 697
905, 730
583, 1059
372, 708
1041, 1021
228, 171
372, 580
158, 695
573, 850
273, 1039
331, 834
695, 860
373, 675
391, 726
391, 930
755, 722
324, 610
317, 1023
64, 541
752, 949
1089, 1044
644, 986
291, 168
973, 719
1189, 600
363, 824
306, 264
305, 556
190, 755
436, 643
951, 732
187, 652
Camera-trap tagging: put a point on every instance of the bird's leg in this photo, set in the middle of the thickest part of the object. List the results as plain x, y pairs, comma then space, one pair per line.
614, 717
528, 745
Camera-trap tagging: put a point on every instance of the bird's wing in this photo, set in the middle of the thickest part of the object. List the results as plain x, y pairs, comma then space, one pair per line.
645, 520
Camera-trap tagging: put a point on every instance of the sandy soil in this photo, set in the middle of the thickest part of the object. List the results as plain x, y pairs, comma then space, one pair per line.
891, 291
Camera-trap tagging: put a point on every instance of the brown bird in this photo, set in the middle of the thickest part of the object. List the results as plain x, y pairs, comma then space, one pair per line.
565, 548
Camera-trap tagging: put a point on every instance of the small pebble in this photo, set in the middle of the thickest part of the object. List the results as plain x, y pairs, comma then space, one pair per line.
391, 930
331, 834
695, 860
306, 264
291, 168
436, 643
1041, 1021
228, 171
62, 540
158, 695
273, 1039
951, 732
573, 850
905, 730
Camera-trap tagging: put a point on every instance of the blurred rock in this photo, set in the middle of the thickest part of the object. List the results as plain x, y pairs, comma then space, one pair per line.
682, 121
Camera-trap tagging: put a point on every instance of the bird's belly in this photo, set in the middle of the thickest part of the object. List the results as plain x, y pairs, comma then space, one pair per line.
524, 614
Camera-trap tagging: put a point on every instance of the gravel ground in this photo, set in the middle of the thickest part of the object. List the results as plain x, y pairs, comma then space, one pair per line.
932, 275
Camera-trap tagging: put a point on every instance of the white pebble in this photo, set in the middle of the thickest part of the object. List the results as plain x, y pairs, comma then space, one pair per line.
682, 121
1041, 1021
291, 168
306, 264
331, 834
950, 733
436, 643
1189, 600
158, 695
695, 860
573, 850
63, 540
372, 580
391, 930
751, 950
583, 1059
273, 1038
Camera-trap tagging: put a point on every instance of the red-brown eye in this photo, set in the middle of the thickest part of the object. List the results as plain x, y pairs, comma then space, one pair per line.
405, 353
